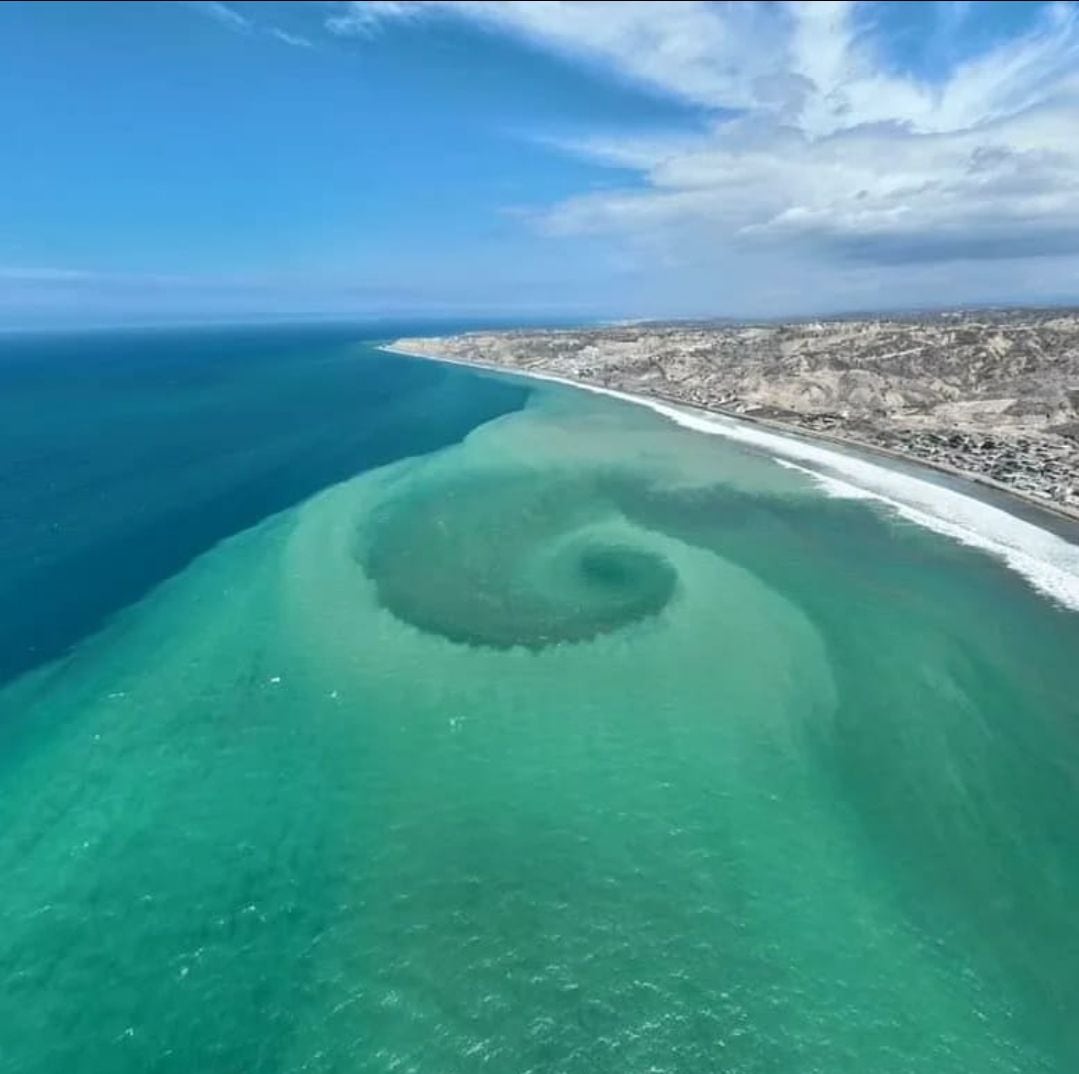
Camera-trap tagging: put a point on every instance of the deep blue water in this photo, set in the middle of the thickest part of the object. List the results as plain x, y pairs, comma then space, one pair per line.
124, 454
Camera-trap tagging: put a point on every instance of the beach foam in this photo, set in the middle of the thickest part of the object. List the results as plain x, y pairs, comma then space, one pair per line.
1047, 561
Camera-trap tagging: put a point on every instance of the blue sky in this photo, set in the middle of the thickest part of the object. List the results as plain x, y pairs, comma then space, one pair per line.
208, 160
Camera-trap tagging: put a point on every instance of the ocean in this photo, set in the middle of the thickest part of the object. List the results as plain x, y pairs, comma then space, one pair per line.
364, 713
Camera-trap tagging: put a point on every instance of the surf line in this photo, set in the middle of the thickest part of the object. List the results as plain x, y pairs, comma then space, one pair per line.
1047, 561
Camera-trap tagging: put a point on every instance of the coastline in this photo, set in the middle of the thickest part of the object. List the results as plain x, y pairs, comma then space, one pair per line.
844, 468
1058, 512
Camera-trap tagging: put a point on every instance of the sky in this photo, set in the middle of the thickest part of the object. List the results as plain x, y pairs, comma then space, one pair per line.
533, 160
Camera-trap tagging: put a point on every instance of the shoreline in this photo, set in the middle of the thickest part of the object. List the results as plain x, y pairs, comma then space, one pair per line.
1057, 513
1033, 548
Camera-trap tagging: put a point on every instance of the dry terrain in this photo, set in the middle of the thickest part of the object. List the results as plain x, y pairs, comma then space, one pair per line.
992, 394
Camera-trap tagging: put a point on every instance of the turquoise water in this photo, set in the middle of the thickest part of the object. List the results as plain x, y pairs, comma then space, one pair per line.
586, 743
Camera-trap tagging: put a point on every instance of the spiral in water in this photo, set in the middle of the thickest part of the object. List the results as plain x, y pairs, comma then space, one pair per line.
526, 559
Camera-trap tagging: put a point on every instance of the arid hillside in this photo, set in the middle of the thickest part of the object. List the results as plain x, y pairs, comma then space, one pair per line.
995, 394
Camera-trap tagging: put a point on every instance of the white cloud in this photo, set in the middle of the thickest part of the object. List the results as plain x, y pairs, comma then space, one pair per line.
231, 18
685, 49
290, 39
224, 14
811, 140
366, 18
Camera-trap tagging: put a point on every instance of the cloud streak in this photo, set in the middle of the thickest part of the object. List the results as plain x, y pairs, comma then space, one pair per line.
224, 14
232, 19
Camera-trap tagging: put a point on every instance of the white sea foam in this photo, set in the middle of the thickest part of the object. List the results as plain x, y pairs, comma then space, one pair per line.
1047, 561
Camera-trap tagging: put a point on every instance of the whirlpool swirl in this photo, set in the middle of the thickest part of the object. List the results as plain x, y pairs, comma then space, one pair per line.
525, 560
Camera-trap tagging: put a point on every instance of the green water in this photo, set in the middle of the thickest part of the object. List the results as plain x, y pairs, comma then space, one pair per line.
589, 744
